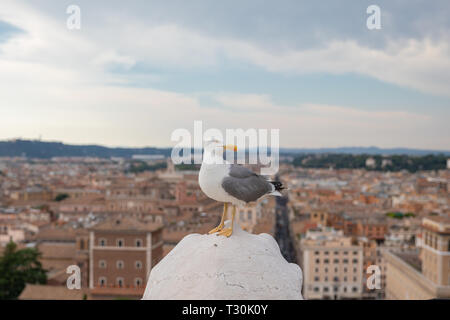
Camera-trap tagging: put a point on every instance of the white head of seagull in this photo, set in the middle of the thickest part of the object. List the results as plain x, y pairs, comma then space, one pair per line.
213, 152
231, 183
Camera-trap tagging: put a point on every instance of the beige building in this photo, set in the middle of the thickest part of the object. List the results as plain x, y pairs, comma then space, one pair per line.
332, 265
121, 254
57, 246
10, 231
252, 214
34, 193
414, 276
319, 217
435, 253
373, 256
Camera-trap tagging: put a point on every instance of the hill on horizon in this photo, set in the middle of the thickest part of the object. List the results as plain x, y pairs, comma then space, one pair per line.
49, 149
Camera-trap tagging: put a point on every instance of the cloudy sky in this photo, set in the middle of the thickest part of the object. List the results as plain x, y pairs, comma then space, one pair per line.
137, 70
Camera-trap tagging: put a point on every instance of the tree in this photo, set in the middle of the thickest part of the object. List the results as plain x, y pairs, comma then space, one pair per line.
61, 196
17, 268
141, 166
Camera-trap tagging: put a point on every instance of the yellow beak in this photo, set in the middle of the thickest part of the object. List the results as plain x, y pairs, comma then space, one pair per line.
231, 147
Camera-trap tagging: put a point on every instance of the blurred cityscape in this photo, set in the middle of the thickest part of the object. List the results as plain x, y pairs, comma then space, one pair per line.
116, 218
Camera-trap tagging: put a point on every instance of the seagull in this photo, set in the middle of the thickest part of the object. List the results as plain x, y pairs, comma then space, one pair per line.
230, 183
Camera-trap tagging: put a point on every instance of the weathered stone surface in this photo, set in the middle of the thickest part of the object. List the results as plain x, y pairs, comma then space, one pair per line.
243, 266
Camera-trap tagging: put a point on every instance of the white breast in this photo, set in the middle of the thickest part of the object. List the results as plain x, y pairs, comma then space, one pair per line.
210, 181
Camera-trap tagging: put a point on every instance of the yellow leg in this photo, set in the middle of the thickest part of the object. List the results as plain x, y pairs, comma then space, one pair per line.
222, 221
228, 231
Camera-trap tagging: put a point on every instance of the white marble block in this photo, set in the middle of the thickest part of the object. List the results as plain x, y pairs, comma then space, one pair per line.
242, 267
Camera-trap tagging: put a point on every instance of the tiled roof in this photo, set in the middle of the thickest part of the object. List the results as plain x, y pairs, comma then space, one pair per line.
45, 292
117, 292
439, 219
126, 224
56, 233
50, 250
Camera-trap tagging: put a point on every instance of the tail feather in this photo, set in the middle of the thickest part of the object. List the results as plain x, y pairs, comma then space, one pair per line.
276, 194
277, 187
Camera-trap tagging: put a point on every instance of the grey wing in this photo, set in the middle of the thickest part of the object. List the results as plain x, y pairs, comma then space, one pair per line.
245, 185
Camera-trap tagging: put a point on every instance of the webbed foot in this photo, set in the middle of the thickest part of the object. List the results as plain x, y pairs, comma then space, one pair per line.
216, 229
226, 232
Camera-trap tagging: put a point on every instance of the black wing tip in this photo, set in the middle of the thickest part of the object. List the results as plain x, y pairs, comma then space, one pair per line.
278, 185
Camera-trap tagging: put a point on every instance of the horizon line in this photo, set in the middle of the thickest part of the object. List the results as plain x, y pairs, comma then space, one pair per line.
171, 147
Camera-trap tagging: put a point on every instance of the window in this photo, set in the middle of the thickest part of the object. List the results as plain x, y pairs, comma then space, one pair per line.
102, 242
316, 270
326, 261
325, 289
336, 279
345, 279
354, 289
355, 252
355, 260
345, 261
336, 260
345, 252
326, 279
335, 270
316, 253
102, 281
120, 282
354, 269
345, 269
326, 269
138, 242
326, 252
316, 289
138, 282
102, 264
336, 252
345, 289
316, 278
138, 265
354, 279
120, 264
317, 260
120, 242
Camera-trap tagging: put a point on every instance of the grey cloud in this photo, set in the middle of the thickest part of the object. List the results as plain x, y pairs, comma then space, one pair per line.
289, 24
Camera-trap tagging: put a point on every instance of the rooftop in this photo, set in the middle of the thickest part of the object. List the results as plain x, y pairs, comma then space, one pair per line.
45, 292
411, 258
126, 224
440, 224
117, 292
56, 234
